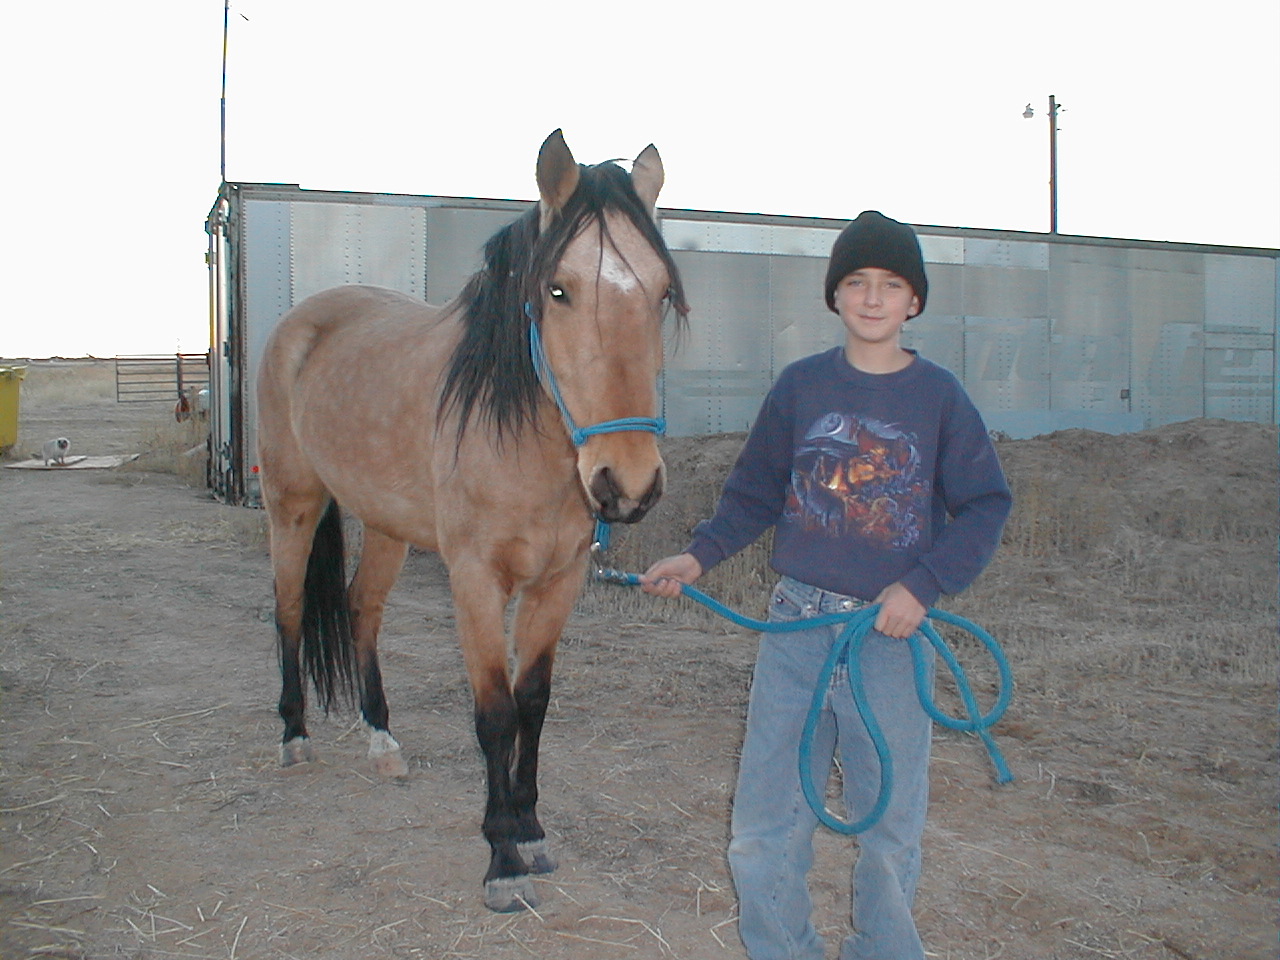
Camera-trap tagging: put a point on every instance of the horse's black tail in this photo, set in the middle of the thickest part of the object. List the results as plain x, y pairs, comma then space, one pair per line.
328, 650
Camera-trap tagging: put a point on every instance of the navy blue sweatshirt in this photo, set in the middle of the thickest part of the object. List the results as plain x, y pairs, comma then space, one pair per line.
869, 479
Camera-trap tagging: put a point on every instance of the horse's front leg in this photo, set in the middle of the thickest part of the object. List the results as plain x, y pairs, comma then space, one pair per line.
539, 622
480, 605
507, 885
381, 559
532, 694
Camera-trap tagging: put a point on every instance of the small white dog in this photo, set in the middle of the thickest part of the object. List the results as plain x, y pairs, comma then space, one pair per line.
55, 451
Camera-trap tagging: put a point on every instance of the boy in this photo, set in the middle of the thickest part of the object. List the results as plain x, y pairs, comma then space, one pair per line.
877, 474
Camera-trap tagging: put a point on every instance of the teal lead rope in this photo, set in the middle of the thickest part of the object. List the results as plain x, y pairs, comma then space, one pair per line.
848, 649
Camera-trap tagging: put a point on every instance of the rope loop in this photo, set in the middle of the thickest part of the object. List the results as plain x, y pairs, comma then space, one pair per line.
848, 649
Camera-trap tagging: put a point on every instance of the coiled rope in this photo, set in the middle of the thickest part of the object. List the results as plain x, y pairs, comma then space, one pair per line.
848, 649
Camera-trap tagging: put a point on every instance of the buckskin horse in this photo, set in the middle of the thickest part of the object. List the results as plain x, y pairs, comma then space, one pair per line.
516, 415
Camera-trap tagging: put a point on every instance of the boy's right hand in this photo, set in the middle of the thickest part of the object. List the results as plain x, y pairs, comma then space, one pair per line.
665, 577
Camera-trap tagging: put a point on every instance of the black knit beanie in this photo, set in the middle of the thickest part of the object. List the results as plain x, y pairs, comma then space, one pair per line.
874, 240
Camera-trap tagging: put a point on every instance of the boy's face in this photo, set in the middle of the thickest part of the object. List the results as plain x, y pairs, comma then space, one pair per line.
874, 303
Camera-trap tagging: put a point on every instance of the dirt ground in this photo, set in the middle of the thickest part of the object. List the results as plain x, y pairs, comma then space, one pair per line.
143, 814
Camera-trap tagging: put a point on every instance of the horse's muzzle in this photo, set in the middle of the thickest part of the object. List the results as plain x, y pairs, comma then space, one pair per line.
614, 505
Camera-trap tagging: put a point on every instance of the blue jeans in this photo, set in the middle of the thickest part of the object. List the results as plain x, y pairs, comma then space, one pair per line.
771, 849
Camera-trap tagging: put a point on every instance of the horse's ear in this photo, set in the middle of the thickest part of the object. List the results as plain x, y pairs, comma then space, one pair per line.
557, 176
647, 176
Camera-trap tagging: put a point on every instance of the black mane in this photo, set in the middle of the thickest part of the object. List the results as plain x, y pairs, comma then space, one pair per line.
491, 368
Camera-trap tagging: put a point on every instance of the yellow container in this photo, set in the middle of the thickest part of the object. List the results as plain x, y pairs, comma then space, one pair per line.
10, 388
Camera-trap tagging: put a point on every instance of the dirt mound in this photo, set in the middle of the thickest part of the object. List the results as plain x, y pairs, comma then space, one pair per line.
1150, 507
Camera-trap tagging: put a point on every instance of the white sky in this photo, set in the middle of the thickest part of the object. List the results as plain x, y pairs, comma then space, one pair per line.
1170, 129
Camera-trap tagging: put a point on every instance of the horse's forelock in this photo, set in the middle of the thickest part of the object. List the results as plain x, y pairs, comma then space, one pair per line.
602, 188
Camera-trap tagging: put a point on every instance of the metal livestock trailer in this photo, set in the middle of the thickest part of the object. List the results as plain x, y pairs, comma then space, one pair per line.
1047, 331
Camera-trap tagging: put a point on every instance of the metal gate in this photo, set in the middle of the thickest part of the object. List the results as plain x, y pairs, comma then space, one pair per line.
147, 379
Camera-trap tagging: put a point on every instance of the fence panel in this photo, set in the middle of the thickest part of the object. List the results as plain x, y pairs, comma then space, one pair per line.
161, 378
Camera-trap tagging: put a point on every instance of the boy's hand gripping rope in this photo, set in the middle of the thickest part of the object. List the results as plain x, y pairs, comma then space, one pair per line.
848, 649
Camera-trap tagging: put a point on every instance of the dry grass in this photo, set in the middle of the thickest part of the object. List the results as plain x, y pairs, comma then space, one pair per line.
66, 382
176, 448
227, 527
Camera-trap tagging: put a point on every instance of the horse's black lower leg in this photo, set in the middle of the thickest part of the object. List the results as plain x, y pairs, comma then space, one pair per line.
384, 750
294, 745
373, 702
507, 886
532, 695
294, 519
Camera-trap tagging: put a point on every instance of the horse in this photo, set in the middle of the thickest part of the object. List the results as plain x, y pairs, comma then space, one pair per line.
456, 429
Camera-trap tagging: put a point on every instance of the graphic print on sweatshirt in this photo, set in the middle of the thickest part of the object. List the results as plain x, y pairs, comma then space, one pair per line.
861, 478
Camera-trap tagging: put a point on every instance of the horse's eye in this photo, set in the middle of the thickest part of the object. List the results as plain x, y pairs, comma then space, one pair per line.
556, 293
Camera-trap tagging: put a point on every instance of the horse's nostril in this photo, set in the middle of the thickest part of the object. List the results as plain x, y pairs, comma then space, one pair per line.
606, 493
615, 506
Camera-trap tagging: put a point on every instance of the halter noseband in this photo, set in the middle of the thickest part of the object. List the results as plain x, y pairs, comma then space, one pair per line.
580, 435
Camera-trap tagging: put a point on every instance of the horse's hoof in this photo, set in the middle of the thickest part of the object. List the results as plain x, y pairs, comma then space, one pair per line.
384, 751
297, 750
537, 854
509, 894
391, 766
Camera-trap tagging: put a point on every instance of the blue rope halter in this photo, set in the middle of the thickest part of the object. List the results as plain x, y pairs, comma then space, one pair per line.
847, 649
580, 435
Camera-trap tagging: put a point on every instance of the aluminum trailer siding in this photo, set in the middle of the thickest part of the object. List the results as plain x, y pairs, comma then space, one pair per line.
1047, 331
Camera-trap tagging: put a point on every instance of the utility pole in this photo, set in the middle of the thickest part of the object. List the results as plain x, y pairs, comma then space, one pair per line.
226, 16
1054, 110
1053, 164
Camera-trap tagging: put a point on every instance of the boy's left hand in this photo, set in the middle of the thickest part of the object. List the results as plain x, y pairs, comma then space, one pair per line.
900, 612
